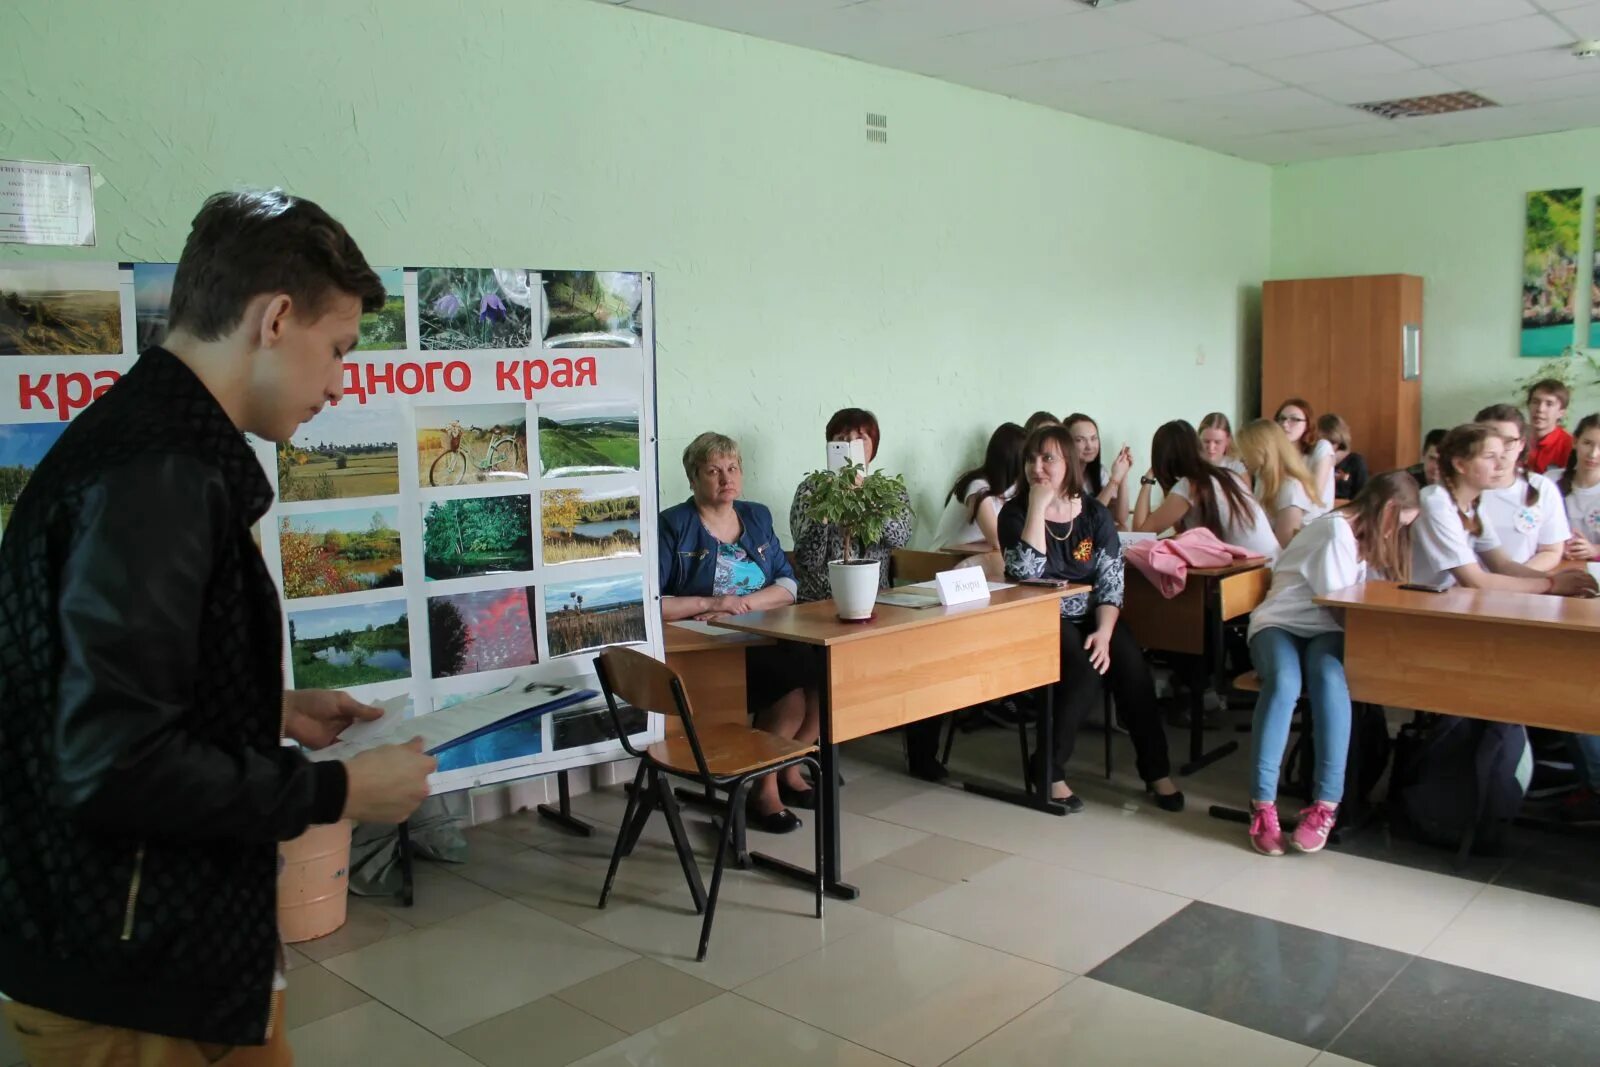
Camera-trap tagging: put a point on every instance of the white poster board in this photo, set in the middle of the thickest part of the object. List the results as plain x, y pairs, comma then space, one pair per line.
466, 520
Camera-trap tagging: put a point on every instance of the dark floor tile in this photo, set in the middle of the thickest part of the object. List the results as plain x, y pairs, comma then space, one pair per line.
1554, 864
1378, 840
1283, 980
1439, 1015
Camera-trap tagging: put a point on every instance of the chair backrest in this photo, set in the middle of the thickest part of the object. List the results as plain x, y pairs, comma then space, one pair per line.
642, 681
626, 674
907, 566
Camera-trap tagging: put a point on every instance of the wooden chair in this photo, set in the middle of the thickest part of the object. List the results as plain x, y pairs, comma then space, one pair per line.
907, 566
729, 756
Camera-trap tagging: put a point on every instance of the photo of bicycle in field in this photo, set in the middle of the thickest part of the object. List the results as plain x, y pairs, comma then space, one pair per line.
472, 444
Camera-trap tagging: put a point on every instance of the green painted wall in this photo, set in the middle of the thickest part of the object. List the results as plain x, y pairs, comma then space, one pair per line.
1453, 216
992, 259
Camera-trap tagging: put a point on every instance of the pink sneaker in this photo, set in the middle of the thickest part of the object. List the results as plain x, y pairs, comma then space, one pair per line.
1266, 836
1316, 822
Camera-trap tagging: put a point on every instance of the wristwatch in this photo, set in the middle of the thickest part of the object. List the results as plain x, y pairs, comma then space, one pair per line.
1145, 479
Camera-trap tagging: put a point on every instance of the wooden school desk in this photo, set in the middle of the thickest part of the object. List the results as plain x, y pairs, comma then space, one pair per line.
1192, 624
1509, 657
712, 669
907, 664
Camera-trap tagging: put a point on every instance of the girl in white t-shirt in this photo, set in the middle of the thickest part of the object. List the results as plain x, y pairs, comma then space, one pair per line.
1298, 423
1293, 639
973, 505
1199, 494
1108, 487
1216, 443
1451, 543
1283, 483
1525, 509
1580, 487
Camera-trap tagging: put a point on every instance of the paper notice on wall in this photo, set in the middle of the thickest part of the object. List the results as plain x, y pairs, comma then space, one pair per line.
46, 203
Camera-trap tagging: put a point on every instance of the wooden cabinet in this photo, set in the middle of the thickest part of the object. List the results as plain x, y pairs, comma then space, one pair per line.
1340, 343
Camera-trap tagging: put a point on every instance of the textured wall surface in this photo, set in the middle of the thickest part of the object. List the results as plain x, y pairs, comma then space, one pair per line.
1453, 216
992, 259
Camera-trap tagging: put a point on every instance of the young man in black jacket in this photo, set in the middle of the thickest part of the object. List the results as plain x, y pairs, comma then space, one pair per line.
143, 784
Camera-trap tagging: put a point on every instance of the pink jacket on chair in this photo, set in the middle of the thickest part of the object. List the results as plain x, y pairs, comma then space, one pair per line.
1166, 562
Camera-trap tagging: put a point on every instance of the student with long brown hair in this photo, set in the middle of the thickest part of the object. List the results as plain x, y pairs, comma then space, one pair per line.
1580, 489
1108, 487
1524, 508
1293, 641
1198, 493
1453, 544
1052, 529
1283, 481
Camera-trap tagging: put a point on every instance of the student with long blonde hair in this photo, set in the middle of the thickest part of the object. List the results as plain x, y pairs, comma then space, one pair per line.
1293, 639
1283, 481
1216, 443
1453, 544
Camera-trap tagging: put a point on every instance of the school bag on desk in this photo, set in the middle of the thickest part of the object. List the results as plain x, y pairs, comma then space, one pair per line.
1455, 776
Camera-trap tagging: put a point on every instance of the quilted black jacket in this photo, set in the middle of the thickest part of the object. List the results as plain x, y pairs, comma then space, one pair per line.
143, 788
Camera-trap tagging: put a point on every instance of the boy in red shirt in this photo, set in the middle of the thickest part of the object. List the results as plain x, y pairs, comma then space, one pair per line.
1551, 444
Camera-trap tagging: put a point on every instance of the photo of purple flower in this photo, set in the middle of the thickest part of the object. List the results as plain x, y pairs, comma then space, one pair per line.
466, 308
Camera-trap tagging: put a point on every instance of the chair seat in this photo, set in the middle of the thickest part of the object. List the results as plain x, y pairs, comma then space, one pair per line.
1248, 682
731, 749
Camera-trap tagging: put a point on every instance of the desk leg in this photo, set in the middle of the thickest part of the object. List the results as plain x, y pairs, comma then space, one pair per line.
561, 813
1199, 758
828, 812
1038, 797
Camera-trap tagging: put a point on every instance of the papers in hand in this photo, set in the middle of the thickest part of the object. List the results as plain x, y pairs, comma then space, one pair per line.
457, 723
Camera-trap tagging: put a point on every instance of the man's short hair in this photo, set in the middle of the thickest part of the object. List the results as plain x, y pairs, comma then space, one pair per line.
247, 243
1553, 387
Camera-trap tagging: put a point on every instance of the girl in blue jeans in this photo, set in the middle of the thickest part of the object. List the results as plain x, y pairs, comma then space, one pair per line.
1294, 642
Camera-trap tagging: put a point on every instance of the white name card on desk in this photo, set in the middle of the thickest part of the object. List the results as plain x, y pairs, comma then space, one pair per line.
964, 585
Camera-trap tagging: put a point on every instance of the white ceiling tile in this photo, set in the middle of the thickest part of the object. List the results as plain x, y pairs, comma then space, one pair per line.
1524, 66
1397, 86
1390, 19
1171, 59
1561, 5
1583, 21
1546, 89
1182, 19
1197, 84
1341, 63
1057, 37
1334, 5
920, 19
1275, 40
1484, 42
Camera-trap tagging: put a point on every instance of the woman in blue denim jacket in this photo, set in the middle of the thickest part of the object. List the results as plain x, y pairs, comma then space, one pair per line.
721, 557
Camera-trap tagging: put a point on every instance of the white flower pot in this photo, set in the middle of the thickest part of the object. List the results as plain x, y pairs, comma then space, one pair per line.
855, 587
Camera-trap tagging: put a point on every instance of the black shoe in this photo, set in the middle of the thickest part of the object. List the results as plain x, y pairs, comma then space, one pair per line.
805, 799
1073, 804
1168, 802
779, 822
929, 770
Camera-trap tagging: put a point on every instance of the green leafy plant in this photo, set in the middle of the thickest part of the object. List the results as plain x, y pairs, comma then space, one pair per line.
860, 504
1576, 368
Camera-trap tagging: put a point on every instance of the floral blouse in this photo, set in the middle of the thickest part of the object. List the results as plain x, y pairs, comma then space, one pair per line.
817, 543
1087, 549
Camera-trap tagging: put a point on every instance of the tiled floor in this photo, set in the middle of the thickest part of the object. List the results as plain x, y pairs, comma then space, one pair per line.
985, 935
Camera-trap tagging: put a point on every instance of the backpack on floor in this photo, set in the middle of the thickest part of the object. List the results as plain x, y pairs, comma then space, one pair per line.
1452, 775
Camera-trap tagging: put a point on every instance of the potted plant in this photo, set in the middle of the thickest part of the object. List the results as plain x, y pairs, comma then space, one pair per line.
860, 505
